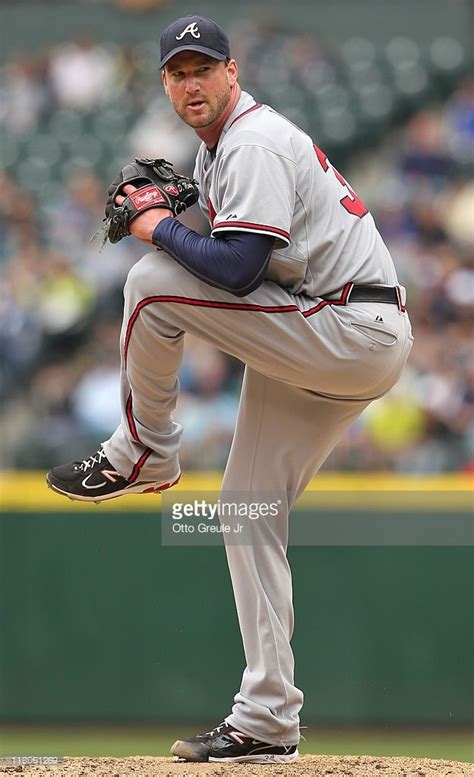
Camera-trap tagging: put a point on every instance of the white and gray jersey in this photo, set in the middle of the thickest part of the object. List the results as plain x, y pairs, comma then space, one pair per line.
266, 176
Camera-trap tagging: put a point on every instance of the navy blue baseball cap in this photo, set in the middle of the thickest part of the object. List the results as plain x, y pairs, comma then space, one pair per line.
194, 33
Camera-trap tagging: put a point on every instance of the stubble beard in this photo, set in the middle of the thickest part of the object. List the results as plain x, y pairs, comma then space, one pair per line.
199, 122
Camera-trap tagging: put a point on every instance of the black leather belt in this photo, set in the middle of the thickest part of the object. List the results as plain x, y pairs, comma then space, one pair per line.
373, 294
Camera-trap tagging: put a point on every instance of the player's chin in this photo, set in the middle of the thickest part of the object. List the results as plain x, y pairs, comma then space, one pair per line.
198, 118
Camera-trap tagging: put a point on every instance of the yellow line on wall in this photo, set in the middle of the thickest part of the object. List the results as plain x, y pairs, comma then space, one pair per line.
25, 491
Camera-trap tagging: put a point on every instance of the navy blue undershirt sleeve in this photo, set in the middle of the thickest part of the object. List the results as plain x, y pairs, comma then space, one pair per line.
234, 261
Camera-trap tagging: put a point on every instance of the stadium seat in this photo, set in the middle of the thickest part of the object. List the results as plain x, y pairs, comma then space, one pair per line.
10, 150
32, 173
44, 146
65, 125
110, 123
402, 53
358, 53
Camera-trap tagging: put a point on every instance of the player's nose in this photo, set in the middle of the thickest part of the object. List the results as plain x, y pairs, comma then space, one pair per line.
192, 84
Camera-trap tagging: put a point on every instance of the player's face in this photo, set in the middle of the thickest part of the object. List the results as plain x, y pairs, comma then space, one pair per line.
199, 86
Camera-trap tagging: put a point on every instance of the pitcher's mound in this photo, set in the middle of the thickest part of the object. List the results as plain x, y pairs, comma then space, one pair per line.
306, 766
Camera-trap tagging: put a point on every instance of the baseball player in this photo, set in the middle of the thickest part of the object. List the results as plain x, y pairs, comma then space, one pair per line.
297, 283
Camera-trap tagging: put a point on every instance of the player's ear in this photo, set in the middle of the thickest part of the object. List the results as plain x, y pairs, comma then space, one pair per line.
163, 79
232, 71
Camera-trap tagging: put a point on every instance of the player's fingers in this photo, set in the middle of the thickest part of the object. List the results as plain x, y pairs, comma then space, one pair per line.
128, 189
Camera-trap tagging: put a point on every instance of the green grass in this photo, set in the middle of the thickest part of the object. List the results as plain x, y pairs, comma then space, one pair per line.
122, 741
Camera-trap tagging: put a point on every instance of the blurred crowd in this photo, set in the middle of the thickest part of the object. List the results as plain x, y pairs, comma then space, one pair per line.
61, 297
420, 187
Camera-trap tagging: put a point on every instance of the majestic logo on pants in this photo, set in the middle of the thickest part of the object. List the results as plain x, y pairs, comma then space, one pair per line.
191, 28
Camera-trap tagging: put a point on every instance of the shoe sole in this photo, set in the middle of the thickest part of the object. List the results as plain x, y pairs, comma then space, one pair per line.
144, 488
259, 759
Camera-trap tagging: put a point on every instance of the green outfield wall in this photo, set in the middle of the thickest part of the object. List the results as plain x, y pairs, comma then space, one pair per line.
100, 621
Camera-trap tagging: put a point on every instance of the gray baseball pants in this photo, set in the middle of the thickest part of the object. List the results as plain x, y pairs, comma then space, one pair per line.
311, 369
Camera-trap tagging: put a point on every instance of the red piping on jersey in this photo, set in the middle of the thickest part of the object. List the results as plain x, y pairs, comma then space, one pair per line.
341, 301
212, 211
203, 303
141, 461
133, 429
244, 306
130, 419
249, 110
257, 227
399, 298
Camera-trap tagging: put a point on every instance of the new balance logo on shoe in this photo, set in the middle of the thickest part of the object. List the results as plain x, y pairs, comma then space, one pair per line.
110, 474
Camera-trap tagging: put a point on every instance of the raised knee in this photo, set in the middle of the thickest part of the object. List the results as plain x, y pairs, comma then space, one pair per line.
155, 273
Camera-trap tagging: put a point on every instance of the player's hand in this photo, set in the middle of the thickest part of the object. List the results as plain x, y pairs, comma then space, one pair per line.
144, 225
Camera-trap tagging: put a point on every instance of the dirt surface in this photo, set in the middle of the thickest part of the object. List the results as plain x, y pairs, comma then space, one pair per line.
307, 765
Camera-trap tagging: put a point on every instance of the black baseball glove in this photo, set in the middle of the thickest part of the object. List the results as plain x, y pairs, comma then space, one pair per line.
158, 186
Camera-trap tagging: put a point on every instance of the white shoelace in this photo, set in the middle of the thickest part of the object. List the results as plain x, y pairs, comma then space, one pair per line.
89, 463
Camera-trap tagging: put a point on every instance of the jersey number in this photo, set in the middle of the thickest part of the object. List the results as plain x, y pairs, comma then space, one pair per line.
351, 202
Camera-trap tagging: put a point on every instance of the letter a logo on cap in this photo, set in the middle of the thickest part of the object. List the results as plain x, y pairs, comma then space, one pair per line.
192, 28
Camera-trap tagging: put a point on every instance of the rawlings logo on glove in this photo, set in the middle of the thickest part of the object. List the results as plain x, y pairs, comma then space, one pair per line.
147, 196
157, 186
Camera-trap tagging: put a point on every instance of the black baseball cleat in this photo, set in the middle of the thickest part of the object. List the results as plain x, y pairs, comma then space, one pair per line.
94, 479
228, 745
